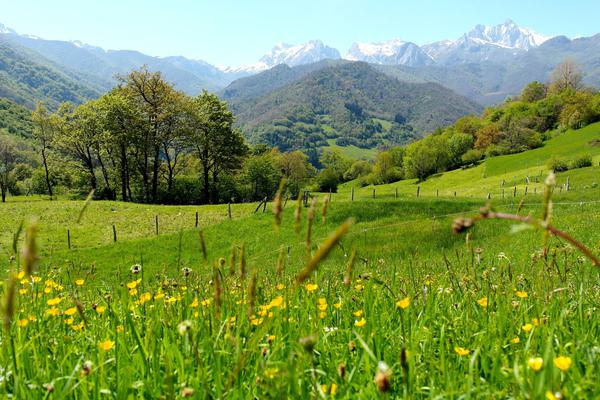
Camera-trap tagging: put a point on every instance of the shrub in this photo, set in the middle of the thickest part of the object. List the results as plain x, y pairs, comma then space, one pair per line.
472, 156
558, 165
582, 161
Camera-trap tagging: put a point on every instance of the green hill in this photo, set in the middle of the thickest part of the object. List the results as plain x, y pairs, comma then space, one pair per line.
15, 119
350, 102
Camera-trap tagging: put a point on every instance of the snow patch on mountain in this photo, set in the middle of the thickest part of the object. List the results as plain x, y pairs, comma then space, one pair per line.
391, 52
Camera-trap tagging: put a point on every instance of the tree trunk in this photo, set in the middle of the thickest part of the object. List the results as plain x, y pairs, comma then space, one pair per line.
155, 166
3, 190
45, 160
123, 172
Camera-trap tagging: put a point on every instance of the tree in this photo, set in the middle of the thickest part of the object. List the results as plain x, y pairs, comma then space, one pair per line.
385, 170
458, 144
8, 161
358, 169
218, 146
261, 176
566, 76
534, 91
296, 169
44, 130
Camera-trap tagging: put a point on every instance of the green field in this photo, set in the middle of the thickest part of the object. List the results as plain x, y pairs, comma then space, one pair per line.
352, 152
426, 312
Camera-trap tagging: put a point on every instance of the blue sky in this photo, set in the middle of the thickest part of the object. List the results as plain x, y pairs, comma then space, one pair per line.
235, 32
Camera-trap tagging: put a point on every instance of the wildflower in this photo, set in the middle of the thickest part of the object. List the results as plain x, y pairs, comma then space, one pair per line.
515, 340
271, 373
461, 351
338, 305
527, 327
553, 396
21, 275
184, 327
403, 303
55, 301
332, 390
521, 294
135, 269
280, 286
322, 307
106, 345
535, 363
205, 302
79, 282
563, 363
382, 377
22, 291
483, 302
133, 292
145, 298
159, 296
133, 284
70, 311
311, 287
276, 302
360, 323
322, 314
358, 313
120, 329
77, 327
53, 311
359, 287
69, 321
100, 309
256, 321
270, 338
185, 271
22, 323
535, 322
32, 318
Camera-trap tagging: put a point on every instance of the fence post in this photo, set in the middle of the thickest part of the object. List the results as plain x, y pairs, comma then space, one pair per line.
502, 194
373, 192
114, 233
455, 193
196, 219
69, 239
352, 195
396, 192
330, 194
437, 192
489, 196
568, 184
229, 209
418, 190
515, 192
526, 187
156, 223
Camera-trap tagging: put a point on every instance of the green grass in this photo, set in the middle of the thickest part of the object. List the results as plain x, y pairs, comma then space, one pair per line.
163, 346
567, 145
353, 152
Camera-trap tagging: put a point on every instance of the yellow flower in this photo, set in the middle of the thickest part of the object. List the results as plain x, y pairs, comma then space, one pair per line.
120, 329
100, 309
535, 363
333, 389
69, 321
322, 307
322, 314
527, 327
358, 313
280, 286
32, 318
133, 284
359, 287
404, 303
360, 323
311, 287
205, 302
159, 296
54, 301
79, 282
322, 300
562, 362
133, 292
483, 302
22, 323
22, 291
515, 340
553, 396
256, 321
521, 294
53, 311
276, 302
77, 327
21, 274
145, 297
461, 351
194, 304
71, 311
106, 345
47, 290
535, 322
338, 305
270, 339
271, 373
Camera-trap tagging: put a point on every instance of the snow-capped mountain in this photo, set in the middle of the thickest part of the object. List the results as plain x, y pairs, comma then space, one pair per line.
6, 30
292, 55
485, 43
392, 52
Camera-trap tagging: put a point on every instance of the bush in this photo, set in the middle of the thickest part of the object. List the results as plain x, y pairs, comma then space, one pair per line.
472, 156
582, 161
328, 179
558, 165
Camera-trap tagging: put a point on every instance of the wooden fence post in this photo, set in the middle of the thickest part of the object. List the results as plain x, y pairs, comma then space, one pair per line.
330, 194
156, 223
373, 192
489, 196
352, 195
396, 192
69, 239
437, 192
229, 209
196, 219
526, 187
568, 184
515, 192
114, 233
418, 190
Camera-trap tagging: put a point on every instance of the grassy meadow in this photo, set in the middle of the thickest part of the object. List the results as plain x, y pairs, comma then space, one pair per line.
418, 312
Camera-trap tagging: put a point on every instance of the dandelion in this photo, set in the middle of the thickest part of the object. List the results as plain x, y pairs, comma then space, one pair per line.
271, 373
403, 303
71, 311
77, 327
337, 305
133, 284
535, 363
563, 363
359, 287
256, 321
280, 286
527, 327
120, 329
79, 282
55, 301
270, 338
360, 323
100, 309
22, 323
515, 340
311, 287
106, 345
358, 313
483, 302
276, 302
461, 351
553, 396
53, 311
521, 294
